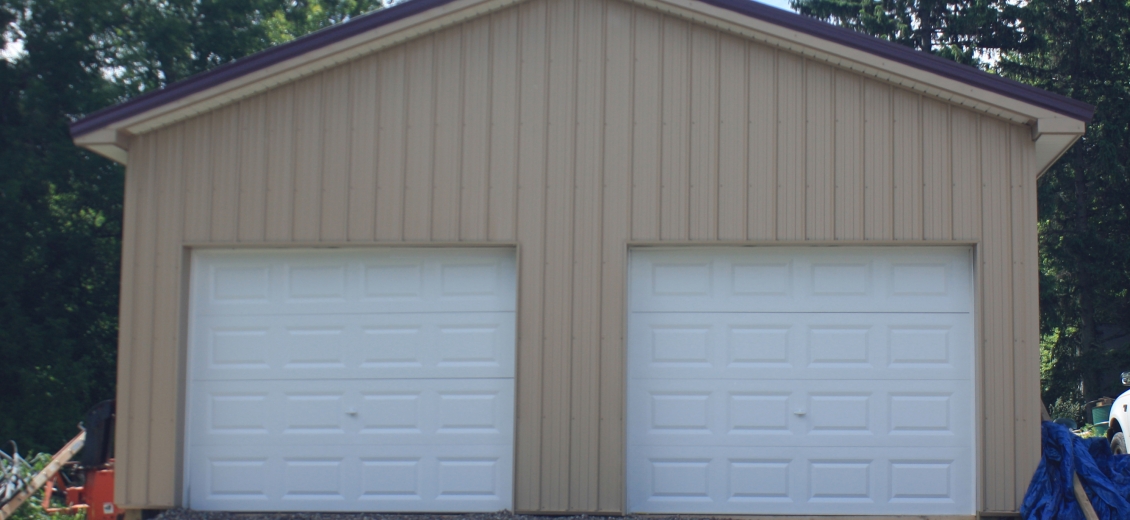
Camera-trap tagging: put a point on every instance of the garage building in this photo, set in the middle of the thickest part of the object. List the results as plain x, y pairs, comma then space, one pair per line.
582, 256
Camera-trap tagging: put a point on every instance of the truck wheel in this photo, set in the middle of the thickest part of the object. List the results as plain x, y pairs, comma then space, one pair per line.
1118, 444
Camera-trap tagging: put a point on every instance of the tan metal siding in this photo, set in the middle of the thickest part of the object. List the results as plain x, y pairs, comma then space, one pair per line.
253, 171
647, 78
703, 204
849, 156
444, 194
908, 165
475, 162
166, 369
420, 133
557, 294
584, 476
617, 226
966, 153
533, 52
763, 138
997, 319
572, 128
878, 182
392, 136
127, 387
336, 118
733, 98
1026, 308
937, 173
503, 131
819, 153
140, 335
225, 172
791, 137
362, 136
308, 160
280, 165
674, 205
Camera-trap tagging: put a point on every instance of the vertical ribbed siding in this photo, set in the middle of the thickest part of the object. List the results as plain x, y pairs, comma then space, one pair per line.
763, 138
362, 137
571, 128
166, 369
996, 298
616, 194
587, 213
1026, 309
533, 61
557, 316
849, 156
733, 128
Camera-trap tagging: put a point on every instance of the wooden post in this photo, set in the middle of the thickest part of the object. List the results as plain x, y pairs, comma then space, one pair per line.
1076, 484
44, 476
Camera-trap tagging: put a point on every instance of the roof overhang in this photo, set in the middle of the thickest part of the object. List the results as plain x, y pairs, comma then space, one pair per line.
1056, 121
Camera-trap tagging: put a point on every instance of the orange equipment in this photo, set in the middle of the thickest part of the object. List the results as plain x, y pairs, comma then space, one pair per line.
96, 495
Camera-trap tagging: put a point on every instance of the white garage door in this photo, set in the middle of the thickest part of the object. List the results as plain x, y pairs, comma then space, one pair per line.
801, 381
351, 380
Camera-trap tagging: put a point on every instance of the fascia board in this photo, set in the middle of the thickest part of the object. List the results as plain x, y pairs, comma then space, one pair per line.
1050, 147
107, 142
1053, 137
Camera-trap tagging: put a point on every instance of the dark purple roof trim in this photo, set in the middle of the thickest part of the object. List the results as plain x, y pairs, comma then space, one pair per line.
811, 26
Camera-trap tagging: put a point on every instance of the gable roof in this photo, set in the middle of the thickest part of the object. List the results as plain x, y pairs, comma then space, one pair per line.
105, 131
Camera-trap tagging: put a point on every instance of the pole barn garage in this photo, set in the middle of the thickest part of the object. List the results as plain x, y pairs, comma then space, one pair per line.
582, 256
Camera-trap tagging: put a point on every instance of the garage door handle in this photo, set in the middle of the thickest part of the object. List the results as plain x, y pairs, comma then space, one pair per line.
799, 413
351, 411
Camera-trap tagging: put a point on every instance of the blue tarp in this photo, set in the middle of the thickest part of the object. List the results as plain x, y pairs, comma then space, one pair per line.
1105, 477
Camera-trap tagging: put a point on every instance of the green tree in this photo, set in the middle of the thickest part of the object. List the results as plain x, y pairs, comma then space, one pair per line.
59, 226
158, 42
1078, 48
60, 206
1084, 52
963, 31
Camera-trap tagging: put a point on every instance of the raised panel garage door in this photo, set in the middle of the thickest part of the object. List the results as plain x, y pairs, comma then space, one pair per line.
807, 381
351, 380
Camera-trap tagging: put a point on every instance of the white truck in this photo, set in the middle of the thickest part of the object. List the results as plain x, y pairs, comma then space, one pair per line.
1119, 419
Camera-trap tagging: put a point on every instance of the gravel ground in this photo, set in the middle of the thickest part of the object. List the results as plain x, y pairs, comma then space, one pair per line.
185, 514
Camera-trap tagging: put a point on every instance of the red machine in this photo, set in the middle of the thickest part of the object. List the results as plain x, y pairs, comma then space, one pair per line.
96, 495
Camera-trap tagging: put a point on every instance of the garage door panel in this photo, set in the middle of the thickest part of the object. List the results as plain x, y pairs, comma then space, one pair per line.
823, 279
230, 282
351, 380
352, 412
417, 345
337, 478
789, 480
692, 345
801, 381
798, 413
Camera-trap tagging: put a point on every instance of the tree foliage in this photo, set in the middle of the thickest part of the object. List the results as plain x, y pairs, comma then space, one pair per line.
964, 31
60, 207
1084, 52
1078, 48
